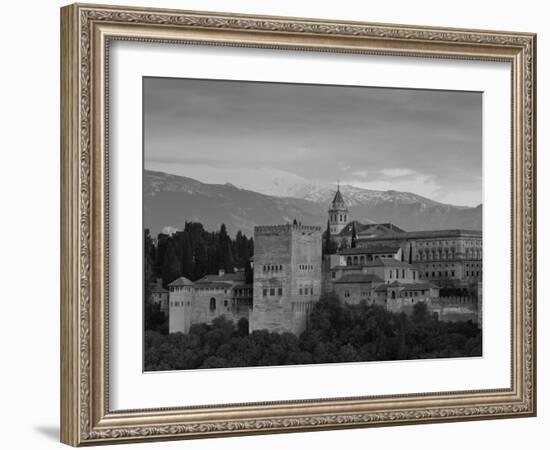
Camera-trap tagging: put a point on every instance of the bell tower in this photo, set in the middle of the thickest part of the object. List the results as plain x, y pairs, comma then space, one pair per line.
338, 214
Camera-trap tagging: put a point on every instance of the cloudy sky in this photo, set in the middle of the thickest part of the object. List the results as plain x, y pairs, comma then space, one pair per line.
421, 141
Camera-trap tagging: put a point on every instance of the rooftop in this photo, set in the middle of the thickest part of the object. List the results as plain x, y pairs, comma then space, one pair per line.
223, 277
213, 285
359, 278
369, 250
388, 262
344, 267
375, 229
427, 234
338, 197
406, 286
181, 281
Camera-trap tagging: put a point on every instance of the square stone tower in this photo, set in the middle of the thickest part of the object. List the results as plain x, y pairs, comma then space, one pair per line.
287, 276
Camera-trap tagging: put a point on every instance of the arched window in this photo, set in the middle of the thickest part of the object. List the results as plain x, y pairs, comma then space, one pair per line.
212, 304
393, 294
348, 261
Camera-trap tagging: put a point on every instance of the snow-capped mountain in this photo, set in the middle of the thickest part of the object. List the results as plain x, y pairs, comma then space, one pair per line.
170, 200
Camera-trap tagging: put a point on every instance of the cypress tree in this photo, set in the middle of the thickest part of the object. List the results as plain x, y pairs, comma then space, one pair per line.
327, 237
225, 260
353, 236
188, 265
148, 262
248, 273
171, 268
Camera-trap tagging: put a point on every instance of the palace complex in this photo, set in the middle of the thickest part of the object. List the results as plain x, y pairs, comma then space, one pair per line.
376, 263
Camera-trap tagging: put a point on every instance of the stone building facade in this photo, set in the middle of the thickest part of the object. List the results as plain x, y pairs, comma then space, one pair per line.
221, 295
448, 258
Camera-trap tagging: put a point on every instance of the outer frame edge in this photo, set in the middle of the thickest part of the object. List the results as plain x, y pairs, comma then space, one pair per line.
69, 353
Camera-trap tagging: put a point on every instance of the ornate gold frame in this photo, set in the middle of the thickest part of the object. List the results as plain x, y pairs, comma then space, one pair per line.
86, 31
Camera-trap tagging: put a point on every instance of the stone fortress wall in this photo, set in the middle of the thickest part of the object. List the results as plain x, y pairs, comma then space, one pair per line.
287, 276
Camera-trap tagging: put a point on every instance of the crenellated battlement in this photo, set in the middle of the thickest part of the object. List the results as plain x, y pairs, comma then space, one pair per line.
285, 228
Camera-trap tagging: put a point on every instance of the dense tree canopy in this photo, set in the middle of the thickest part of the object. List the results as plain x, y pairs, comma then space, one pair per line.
194, 253
337, 332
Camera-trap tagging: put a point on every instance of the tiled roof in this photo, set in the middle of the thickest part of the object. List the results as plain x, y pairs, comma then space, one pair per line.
381, 228
226, 277
406, 286
181, 281
426, 234
388, 262
376, 229
359, 278
348, 229
418, 286
213, 285
381, 288
344, 267
369, 250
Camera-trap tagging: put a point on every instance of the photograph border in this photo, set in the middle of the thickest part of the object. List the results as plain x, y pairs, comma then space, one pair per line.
86, 33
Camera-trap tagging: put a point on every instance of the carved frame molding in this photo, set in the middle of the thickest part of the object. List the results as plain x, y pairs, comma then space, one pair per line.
86, 31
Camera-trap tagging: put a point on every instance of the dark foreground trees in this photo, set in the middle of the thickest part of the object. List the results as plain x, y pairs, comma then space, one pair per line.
337, 332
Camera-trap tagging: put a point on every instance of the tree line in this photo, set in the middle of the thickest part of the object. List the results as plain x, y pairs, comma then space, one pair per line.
194, 253
336, 332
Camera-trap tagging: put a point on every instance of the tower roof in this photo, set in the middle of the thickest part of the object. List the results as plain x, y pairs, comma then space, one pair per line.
338, 197
338, 200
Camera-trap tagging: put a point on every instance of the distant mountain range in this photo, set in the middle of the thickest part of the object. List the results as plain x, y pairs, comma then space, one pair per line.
170, 200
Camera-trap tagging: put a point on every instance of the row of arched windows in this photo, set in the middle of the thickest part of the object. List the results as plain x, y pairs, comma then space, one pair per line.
362, 259
474, 253
272, 292
182, 303
401, 274
434, 254
338, 217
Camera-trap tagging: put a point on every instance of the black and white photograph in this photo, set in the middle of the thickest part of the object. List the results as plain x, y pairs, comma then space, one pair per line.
292, 224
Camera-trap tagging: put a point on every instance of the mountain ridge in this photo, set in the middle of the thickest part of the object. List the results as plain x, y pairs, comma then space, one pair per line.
170, 200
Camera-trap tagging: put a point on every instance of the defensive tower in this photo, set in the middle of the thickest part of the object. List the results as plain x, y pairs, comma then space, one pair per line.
287, 276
